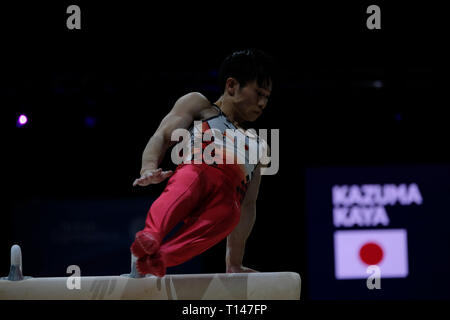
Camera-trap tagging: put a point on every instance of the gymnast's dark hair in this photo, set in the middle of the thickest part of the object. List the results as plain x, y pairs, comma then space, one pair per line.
246, 66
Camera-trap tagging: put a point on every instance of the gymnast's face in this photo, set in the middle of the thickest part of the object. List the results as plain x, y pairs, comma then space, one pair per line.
250, 100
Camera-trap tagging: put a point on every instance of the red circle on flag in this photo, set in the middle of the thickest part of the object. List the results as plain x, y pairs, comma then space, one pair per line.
371, 253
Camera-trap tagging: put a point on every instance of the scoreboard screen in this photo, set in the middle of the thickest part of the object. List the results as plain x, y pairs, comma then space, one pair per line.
378, 232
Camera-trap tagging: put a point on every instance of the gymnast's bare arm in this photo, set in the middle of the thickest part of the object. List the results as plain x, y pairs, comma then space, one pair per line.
237, 238
187, 109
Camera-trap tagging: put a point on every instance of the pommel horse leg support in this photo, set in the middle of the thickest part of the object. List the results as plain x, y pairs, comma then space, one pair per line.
219, 286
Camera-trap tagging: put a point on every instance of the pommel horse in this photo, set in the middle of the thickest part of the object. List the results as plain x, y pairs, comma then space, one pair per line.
218, 286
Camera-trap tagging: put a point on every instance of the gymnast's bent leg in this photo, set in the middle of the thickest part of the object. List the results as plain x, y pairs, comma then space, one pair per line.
201, 196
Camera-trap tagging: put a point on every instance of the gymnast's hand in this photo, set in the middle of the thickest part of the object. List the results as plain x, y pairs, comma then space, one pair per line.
152, 177
239, 269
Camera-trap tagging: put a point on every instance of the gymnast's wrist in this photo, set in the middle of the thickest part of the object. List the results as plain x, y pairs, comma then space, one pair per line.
234, 268
145, 170
233, 263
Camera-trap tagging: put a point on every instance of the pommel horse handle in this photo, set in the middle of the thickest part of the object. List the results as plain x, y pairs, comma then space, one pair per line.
15, 271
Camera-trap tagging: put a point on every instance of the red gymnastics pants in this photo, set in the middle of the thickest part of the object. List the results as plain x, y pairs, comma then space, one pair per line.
204, 197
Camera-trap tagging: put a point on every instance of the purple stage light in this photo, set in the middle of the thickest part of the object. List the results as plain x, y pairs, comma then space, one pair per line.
22, 120
90, 121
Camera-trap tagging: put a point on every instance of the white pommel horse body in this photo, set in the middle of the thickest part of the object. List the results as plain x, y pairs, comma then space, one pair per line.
219, 286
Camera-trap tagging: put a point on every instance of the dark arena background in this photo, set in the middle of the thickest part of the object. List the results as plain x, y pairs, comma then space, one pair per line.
353, 106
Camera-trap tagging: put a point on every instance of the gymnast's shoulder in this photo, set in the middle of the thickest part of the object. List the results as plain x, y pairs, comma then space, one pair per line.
195, 98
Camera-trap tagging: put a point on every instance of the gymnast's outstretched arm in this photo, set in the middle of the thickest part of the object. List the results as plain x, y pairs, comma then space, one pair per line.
183, 113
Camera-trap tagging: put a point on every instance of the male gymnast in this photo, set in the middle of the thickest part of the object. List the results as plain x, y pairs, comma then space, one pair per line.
213, 200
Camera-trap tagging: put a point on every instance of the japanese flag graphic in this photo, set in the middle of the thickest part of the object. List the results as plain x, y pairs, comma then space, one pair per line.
355, 250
